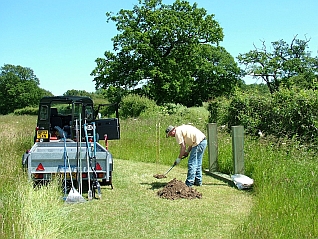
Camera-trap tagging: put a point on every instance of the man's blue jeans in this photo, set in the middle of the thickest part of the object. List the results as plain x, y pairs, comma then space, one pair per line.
194, 176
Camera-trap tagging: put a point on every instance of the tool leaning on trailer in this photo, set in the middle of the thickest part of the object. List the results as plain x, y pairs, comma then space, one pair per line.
46, 158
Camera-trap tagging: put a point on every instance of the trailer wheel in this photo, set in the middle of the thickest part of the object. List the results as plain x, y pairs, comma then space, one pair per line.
107, 183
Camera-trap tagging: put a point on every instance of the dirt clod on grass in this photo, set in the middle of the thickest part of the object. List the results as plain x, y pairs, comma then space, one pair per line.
159, 176
176, 189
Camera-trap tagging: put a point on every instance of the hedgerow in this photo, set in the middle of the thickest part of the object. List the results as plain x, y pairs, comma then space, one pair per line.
286, 113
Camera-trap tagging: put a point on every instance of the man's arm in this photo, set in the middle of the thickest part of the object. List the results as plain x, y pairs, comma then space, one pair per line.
182, 150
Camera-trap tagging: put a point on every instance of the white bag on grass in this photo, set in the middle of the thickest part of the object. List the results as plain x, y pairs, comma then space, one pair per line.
241, 181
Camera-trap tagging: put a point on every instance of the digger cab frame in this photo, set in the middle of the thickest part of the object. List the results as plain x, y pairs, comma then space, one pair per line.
68, 111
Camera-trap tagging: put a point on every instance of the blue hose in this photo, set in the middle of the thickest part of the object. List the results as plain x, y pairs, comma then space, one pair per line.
61, 133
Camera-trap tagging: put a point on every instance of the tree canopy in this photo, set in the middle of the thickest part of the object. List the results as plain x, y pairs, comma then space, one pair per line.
287, 64
18, 88
78, 93
172, 51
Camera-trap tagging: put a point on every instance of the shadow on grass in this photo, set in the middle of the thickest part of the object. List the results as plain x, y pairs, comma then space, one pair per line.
155, 185
158, 185
227, 181
215, 184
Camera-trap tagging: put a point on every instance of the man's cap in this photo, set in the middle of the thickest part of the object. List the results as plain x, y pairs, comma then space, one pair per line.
170, 127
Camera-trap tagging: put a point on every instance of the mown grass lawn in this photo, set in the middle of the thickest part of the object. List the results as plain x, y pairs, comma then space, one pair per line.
133, 209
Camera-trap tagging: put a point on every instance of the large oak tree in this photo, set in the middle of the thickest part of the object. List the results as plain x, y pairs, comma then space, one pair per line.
172, 50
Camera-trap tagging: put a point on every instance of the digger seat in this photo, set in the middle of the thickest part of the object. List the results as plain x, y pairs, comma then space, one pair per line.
55, 120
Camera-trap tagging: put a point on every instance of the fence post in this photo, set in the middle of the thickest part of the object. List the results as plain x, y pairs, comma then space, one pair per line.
238, 149
213, 147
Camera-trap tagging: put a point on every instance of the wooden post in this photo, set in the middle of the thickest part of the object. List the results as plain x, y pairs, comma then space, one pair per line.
213, 147
238, 149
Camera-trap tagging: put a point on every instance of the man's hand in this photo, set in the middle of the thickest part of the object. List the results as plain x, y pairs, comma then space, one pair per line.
178, 160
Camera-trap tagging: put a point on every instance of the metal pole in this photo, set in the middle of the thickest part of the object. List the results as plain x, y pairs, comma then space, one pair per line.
213, 147
238, 149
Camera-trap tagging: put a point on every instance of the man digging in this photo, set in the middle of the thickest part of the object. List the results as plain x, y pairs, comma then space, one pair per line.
191, 137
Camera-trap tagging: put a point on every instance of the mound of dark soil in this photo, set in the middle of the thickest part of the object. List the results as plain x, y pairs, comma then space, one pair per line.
176, 189
159, 176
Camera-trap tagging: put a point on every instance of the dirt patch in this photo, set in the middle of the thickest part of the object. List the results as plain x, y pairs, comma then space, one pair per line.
159, 176
176, 189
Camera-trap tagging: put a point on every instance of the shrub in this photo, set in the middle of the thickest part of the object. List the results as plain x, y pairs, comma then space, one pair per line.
135, 105
294, 113
249, 110
172, 108
27, 111
195, 114
218, 111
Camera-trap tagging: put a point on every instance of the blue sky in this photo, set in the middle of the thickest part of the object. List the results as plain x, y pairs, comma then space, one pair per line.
60, 40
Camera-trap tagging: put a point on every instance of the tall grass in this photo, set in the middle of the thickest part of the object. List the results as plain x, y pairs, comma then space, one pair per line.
24, 211
42, 213
11, 177
286, 191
